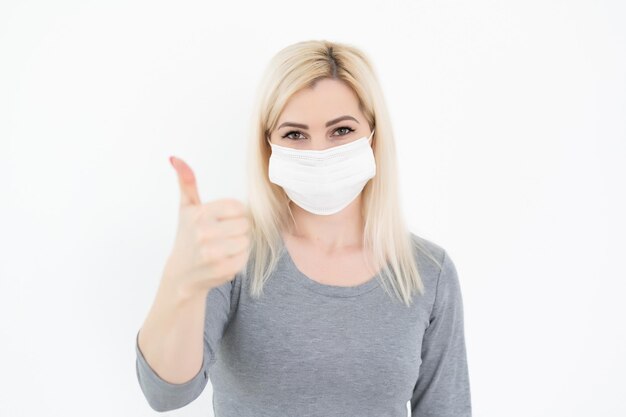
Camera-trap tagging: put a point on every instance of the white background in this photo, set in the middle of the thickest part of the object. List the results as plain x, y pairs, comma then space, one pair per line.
510, 120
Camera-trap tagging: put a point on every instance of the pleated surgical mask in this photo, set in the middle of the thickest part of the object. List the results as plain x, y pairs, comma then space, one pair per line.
323, 181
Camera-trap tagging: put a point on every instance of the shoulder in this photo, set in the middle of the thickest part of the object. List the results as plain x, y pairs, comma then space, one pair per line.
435, 265
430, 255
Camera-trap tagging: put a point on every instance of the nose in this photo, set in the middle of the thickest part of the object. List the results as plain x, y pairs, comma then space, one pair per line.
320, 144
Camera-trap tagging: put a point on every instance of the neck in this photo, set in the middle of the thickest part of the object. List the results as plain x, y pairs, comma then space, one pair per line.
330, 233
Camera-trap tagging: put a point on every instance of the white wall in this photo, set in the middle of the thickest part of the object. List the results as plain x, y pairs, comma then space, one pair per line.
510, 119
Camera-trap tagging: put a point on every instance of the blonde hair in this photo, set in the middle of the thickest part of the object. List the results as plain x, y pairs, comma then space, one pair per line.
386, 237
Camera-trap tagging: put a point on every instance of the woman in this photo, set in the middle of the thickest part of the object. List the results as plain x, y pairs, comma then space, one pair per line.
323, 304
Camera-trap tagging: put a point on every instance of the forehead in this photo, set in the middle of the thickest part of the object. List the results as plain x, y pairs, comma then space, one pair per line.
316, 105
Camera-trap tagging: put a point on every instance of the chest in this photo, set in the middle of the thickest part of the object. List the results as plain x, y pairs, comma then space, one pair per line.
311, 346
346, 269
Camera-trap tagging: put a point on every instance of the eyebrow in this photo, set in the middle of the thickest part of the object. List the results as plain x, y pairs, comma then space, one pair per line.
329, 123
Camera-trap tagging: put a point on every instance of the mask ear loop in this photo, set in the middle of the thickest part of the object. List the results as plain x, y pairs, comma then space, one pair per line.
293, 219
371, 136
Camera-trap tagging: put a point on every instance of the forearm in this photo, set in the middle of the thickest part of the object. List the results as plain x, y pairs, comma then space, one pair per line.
171, 338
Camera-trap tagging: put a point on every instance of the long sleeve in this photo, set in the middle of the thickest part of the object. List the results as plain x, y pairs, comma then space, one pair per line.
165, 396
443, 387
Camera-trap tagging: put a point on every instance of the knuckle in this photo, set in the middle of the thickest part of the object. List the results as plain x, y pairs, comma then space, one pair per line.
222, 267
237, 244
246, 224
208, 233
208, 253
204, 255
235, 205
226, 267
206, 212
234, 202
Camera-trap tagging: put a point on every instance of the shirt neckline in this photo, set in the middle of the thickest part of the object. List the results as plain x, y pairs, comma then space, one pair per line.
327, 289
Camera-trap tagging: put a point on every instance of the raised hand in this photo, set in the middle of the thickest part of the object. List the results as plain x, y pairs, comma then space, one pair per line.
212, 240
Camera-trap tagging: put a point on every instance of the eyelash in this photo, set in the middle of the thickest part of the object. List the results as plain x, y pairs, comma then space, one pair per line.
350, 130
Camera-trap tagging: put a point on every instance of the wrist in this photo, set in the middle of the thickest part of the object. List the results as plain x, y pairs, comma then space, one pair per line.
179, 295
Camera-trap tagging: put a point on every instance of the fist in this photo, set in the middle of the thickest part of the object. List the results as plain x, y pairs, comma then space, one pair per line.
212, 240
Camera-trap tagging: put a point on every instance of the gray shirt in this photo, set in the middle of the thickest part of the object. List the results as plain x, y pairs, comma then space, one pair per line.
310, 349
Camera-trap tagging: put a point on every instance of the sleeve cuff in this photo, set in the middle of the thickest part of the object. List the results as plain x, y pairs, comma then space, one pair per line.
163, 395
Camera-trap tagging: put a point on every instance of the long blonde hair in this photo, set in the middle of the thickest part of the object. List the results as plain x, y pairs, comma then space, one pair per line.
386, 237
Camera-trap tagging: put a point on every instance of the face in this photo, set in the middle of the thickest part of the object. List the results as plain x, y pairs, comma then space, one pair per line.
320, 117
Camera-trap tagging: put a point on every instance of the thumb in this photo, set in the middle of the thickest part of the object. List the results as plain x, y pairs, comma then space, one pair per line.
187, 182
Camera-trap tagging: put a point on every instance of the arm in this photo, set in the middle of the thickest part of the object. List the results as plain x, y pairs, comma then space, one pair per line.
176, 346
443, 387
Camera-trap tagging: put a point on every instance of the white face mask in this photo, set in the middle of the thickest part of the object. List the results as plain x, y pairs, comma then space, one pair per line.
323, 182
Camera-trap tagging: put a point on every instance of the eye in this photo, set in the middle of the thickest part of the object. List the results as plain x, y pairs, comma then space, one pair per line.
350, 130
286, 135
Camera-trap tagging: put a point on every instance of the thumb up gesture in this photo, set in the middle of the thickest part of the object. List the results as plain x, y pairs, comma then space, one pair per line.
212, 239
